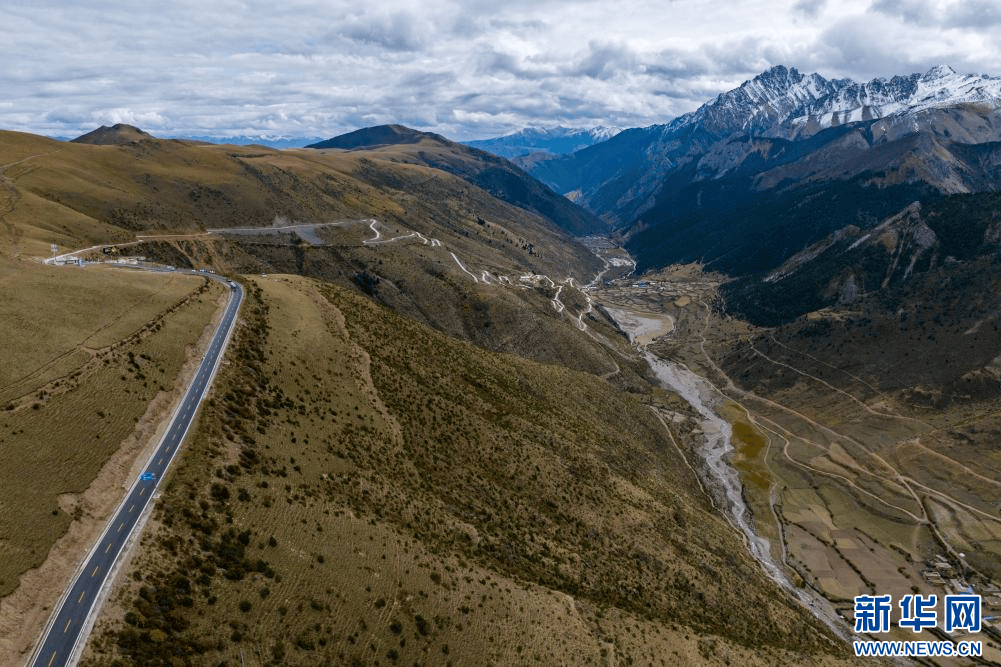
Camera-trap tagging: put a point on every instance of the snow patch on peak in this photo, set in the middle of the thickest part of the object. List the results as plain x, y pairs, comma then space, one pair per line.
938, 72
783, 102
850, 101
559, 132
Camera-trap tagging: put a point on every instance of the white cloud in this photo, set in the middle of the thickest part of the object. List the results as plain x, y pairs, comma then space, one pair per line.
977, 15
809, 8
465, 68
150, 119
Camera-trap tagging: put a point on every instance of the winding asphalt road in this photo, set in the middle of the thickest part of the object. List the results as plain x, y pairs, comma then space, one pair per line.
66, 633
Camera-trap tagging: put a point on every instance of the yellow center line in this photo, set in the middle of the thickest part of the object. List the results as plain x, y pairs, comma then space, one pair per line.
96, 568
52, 659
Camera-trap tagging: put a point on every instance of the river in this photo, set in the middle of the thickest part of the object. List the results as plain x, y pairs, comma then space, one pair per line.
723, 478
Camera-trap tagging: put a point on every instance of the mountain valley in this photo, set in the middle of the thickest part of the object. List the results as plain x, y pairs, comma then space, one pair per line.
453, 480
464, 420
849, 313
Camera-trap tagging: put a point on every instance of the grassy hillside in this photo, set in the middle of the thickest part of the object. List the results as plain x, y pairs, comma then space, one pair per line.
92, 358
364, 489
496, 175
111, 192
77, 383
484, 475
436, 226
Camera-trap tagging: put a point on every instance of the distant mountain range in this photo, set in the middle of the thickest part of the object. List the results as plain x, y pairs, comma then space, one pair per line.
236, 140
749, 179
782, 102
760, 172
554, 140
244, 140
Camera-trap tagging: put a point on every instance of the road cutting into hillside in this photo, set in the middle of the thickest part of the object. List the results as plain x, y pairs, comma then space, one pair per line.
479, 275
71, 621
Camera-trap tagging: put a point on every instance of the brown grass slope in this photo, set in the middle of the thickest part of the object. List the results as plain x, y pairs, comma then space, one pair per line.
425, 282
70, 403
500, 177
117, 134
77, 195
154, 185
386, 459
91, 363
365, 490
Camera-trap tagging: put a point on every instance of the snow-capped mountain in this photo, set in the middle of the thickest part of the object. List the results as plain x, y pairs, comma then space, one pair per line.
554, 140
762, 171
880, 98
782, 102
619, 178
760, 104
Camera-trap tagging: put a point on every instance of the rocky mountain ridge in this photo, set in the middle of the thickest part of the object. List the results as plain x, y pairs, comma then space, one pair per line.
956, 235
782, 102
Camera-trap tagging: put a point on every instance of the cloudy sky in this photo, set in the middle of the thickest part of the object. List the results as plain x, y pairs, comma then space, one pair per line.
467, 69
